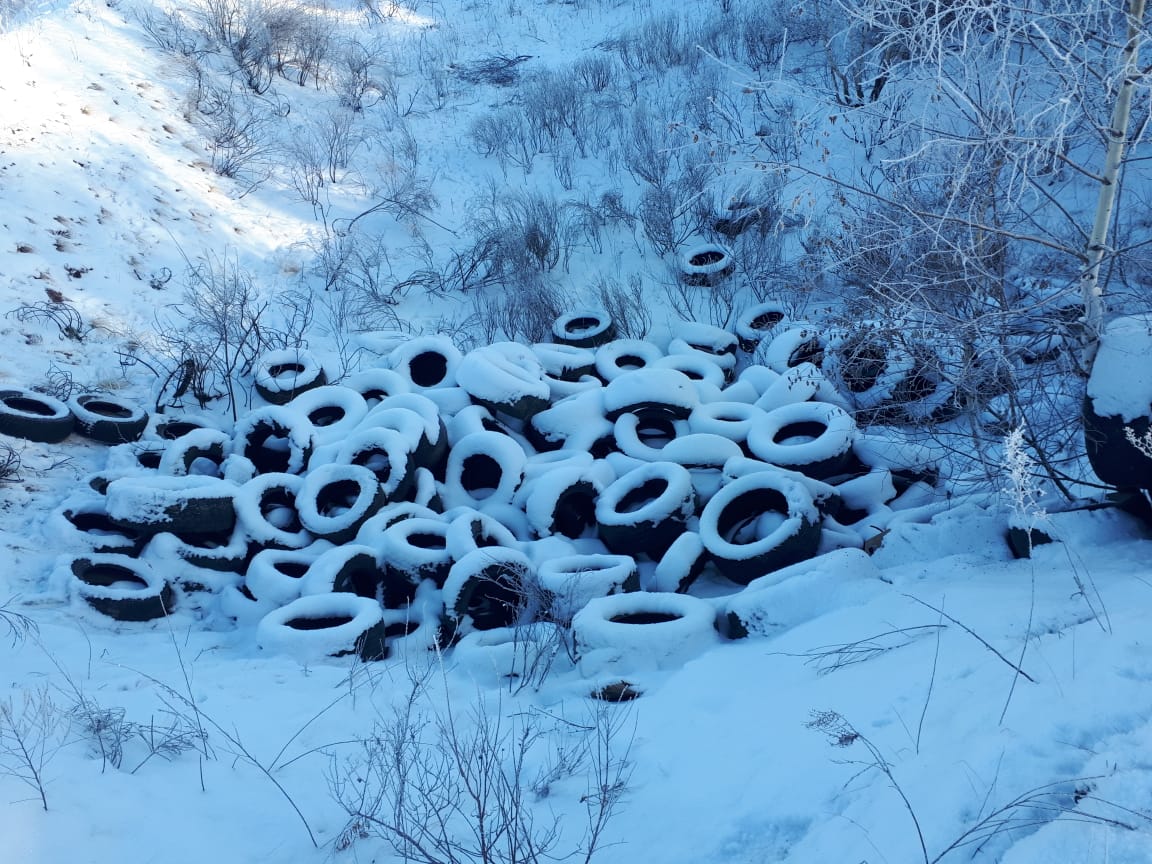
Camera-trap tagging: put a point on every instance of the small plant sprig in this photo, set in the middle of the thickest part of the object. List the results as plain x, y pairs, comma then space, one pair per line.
61, 313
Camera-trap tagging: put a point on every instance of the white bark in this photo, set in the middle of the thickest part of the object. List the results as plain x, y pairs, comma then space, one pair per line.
1091, 289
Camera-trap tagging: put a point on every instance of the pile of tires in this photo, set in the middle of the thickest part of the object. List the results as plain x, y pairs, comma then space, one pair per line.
583, 486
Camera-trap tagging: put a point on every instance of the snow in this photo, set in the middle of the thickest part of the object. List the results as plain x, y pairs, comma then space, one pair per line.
107, 185
1121, 380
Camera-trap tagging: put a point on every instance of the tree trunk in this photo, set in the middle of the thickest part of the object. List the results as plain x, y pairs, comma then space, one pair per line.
1090, 286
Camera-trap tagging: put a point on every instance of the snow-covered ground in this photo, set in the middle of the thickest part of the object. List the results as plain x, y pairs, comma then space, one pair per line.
936, 701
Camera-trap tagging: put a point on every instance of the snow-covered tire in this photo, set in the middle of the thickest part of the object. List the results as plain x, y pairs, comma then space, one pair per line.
376, 385
413, 550
484, 468
615, 358
277, 440
757, 323
121, 587
431, 446
266, 508
506, 378
697, 366
83, 523
866, 368
34, 416
225, 552
563, 502
175, 427
643, 435
335, 500
584, 328
107, 419
652, 391
325, 625
800, 343
178, 505
333, 410
387, 454
277, 576
573, 580
758, 523
489, 588
576, 423
198, 452
646, 509
427, 361
814, 438
280, 376
681, 565
643, 630
706, 265
353, 568
733, 420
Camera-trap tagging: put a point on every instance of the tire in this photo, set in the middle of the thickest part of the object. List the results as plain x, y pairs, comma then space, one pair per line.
706, 265
584, 328
414, 550
615, 358
484, 468
573, 580
698, 367
225, 552
704, 455
565, 362
387, 454
563, 503
335, 500
276, 576
800, 343
757, 323
34, 416
866, 369
651, 392
107, 419
575, 423
642, 630
281, 376
376, 385
646, 509
427, 362
121, 587
83, 522
174, 428
178, 505
266, 508
814, 438
333, 411
643, 435
325, 625
490, 588
431, 449
681, 565
470, 530
758, 523
733, 420
277, 440
505, 378
352, 568
199, 452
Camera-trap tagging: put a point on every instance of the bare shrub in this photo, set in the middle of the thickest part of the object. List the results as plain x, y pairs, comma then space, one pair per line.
239, 129
32, 732
526, 230
505, 135
443, 785
362, 79
59, 313
596, 73
522, 309
627, 306
673, 213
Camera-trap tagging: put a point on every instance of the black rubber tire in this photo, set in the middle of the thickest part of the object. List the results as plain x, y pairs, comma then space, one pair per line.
757, 323
563, 503
196, 448
619, 356
94, 574
254, 431
738, 506
272, 495
665, 392
427, 362
107, 419
178, 505
414, 550
706, 265
34, 416
646, 509
281, 376
778, 439
286, 628
506, 378
387, 454
483, 468
584, 328
333, 410
490, 588
83, 522
335, 500
226, 552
